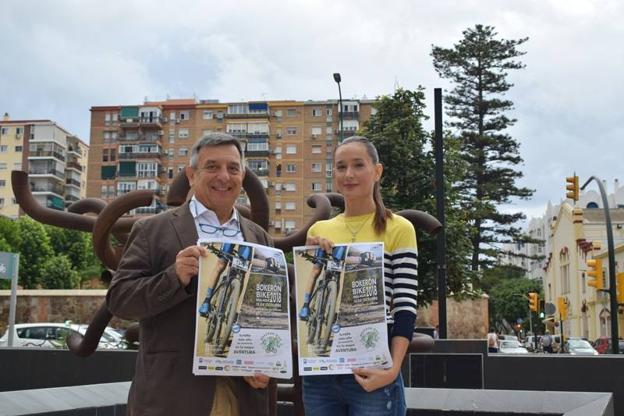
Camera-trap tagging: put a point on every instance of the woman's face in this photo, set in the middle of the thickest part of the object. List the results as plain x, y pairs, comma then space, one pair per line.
355, 173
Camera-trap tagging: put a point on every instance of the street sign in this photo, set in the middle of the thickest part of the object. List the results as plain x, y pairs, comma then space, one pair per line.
8, 265
550, 308
9, 269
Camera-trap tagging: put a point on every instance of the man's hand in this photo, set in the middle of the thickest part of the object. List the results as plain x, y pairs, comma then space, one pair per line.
374, 378
324, 243
187, 263
257, 381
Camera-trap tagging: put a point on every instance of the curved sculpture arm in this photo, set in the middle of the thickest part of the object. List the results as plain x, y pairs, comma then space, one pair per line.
322, 212
122, 227
178, 190
84, 346
420, 343
421, 220
107, 218
36, 211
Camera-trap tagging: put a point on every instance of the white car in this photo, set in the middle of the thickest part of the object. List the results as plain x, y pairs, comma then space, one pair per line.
511, 347
51, 335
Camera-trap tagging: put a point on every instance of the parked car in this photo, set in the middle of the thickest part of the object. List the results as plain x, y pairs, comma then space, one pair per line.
511, 347
51, 335
603, 345
577, 346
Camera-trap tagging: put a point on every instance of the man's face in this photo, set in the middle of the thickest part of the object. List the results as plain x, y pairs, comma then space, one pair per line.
218, 178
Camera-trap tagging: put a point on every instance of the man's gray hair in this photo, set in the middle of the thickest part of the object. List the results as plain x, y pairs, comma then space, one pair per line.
215, 139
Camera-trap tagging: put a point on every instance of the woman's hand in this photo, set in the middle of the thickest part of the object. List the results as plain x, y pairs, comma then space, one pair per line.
257, 381
375, 378
324, 243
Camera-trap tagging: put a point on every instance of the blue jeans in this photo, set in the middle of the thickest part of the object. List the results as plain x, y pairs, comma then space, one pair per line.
342, 395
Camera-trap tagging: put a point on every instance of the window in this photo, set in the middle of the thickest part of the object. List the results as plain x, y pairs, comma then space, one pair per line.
291, 112
258, 146
316, 112
291, 131
278, 133
278, 205
328, 112
328, 131
3, 166
170, 173
18, 148
207, 115
278, 186
564, 264
19, 131
289, 225
316, 131
109, 172
278, 152
1, 202
4, 148
183, 133
107, 117
316, 149
290, 187
4, 130
183, 151
290, 206
147, 169
172, 116
328, 170
185, 115
114, 116
329, 186
278, 113
316, 186
316, 167
291, 168
291, 149
2, 183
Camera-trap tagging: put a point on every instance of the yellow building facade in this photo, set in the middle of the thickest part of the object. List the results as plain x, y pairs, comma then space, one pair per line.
579, 235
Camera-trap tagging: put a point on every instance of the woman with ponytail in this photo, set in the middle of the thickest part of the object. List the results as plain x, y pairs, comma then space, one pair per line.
369, 391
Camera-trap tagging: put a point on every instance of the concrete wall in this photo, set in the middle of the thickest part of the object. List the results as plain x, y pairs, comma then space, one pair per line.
53, 306
466, 319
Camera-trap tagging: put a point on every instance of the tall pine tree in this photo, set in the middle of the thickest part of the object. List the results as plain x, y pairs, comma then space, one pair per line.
405, 150
478, 67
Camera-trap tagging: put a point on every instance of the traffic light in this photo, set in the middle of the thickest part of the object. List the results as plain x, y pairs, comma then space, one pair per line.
595, 271
533, 301
562, 305
620, 288
572, 186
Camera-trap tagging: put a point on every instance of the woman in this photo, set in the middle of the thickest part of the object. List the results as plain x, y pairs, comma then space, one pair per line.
357, 172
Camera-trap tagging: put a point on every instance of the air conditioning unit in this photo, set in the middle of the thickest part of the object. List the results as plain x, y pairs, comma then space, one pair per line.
278, 135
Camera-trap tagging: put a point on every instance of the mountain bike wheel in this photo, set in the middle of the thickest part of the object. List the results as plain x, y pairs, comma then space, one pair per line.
315, 315
213, 321
328, 313
230, 314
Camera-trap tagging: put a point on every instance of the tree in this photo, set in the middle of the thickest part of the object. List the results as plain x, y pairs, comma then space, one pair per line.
407, 183
34, 250
508, 301
478, 67
78, 247
58, 273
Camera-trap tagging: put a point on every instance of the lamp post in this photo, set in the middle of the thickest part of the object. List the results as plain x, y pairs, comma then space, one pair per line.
338, 79
611, 253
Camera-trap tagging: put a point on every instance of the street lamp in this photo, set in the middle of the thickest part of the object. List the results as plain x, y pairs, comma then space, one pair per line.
338, 79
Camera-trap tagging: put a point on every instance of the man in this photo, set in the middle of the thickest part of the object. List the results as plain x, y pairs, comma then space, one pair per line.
547, 343
156, 283
492, 341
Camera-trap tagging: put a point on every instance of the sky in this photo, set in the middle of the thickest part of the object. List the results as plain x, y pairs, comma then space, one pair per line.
59, 58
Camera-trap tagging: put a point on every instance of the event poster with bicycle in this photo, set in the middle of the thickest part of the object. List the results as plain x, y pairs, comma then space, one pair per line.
243, 325
341, 308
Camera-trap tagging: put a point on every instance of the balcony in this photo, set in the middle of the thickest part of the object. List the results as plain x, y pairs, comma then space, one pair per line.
261, 171
140, 138
47, 188
72, 182
257, 153
350, 115
73, 165
255, 114
153, 121
129, 123
132, 156
73, 151
46, 154
47, 172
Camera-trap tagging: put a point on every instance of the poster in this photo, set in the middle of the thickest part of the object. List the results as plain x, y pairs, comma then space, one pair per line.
345, 326
243, 324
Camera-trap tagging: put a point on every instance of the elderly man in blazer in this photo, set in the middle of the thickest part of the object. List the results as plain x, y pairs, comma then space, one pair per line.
156, 283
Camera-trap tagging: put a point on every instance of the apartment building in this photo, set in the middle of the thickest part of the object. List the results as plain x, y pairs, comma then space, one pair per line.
55, 160
288, 144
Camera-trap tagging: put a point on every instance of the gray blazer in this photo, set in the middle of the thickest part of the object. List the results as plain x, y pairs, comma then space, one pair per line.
145, 288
